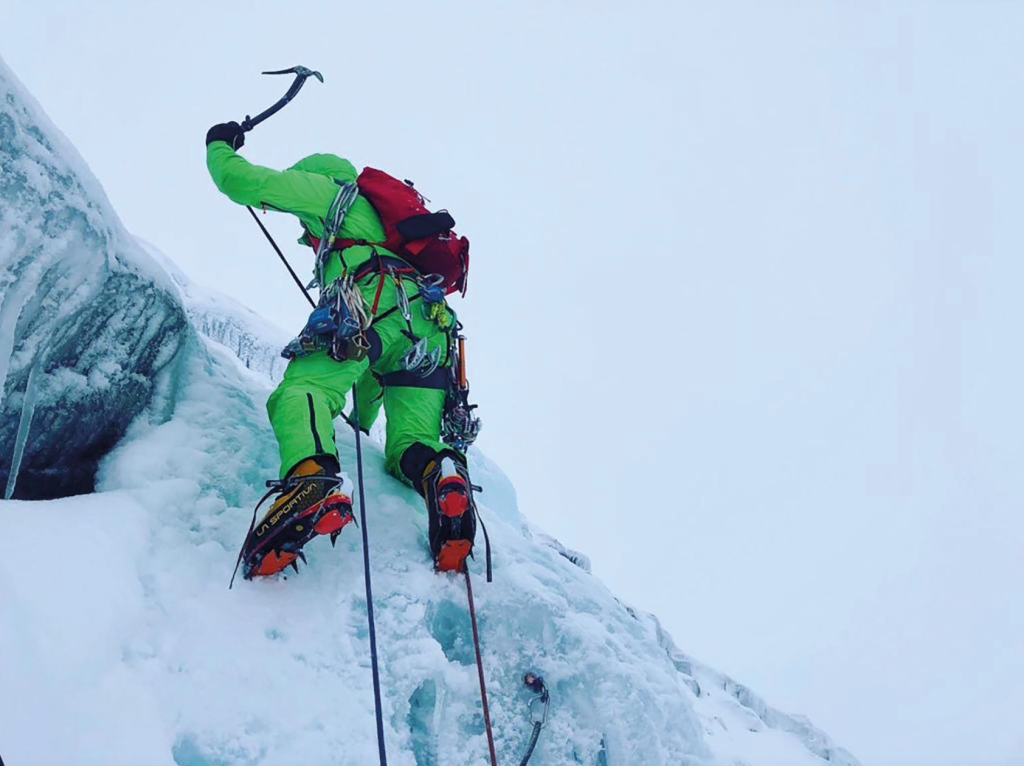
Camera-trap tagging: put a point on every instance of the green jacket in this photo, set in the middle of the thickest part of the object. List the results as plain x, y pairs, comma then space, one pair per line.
306, 190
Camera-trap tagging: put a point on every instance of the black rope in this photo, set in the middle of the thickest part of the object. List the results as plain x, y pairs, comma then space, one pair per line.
487, 546
284, 260
369, 589
537, 726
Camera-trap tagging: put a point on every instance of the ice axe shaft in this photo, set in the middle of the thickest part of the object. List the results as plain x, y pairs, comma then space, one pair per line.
301, 75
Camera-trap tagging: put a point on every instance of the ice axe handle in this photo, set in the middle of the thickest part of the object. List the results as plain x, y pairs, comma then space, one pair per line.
301, 74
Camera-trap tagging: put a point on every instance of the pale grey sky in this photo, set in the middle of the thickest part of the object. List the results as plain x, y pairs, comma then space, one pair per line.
743, 311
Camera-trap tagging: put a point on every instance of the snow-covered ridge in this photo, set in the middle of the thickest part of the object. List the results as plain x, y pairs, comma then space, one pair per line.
117, 623
716, 691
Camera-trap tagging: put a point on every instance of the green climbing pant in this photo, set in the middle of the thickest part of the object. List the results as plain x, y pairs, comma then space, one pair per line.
312, 393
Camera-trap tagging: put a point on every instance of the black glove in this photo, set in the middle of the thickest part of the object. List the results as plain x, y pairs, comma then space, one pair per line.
230, 133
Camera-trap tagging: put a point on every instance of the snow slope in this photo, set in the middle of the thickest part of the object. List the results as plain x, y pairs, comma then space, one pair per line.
121, 644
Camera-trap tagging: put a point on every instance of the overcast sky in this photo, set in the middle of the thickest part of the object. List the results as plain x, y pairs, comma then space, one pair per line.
743, 318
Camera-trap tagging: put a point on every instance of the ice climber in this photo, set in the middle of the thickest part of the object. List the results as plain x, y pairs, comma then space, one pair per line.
381, 325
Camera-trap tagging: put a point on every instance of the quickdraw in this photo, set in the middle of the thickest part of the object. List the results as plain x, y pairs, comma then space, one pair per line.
338, 325
420, 360
434, 307
543, 700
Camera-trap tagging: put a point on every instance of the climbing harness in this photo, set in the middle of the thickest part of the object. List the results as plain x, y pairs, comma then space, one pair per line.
340, 321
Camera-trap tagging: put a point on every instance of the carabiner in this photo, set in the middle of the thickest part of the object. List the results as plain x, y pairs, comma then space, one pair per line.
402, 298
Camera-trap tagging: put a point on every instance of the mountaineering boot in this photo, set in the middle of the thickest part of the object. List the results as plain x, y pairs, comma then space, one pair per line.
452, 513
306, 507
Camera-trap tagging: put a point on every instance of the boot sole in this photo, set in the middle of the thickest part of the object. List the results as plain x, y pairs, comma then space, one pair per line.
452, 556
452, 504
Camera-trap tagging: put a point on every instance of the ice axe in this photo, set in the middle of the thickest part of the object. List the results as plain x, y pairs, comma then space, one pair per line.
301, 74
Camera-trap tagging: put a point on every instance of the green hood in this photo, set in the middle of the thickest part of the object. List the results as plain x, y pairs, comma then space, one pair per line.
330, 165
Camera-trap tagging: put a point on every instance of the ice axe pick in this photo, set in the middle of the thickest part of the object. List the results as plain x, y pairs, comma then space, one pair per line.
301, 74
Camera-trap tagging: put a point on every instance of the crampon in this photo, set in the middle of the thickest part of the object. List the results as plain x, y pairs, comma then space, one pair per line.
310, 503
452, 512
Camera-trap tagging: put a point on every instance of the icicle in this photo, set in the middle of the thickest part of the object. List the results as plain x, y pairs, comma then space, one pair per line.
28, 408
11, 306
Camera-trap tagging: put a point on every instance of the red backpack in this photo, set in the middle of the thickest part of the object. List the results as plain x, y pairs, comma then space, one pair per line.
422, 238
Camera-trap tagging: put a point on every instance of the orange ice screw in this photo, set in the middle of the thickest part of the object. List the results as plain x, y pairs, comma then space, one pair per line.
462, 363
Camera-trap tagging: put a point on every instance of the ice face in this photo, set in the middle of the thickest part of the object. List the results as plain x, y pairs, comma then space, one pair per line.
86, 322
176, 669
120, 375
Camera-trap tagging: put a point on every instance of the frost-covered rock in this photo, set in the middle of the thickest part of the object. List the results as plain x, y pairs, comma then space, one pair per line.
129, 648
86, 320
254, 340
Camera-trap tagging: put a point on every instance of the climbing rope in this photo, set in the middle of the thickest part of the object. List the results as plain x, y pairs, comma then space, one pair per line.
369, 589
480, 667
280, 255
